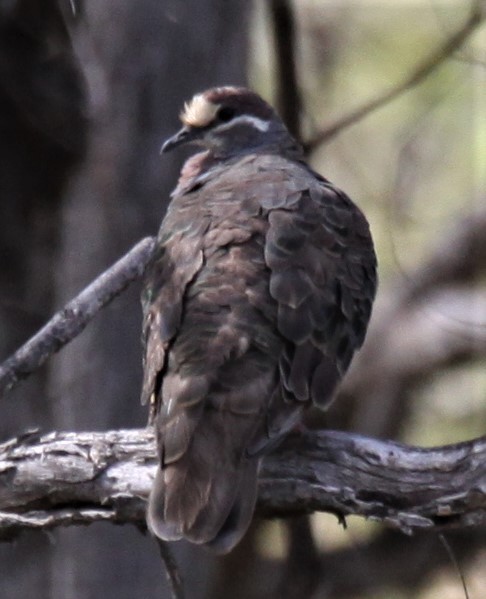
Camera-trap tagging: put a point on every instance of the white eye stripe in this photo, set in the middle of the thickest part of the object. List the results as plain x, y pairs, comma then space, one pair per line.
259, 124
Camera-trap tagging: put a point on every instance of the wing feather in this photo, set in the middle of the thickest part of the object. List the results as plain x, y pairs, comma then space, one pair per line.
323, 277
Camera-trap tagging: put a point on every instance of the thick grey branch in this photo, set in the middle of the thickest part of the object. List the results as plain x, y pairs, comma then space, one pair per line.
71, 320
419, 74
69, 478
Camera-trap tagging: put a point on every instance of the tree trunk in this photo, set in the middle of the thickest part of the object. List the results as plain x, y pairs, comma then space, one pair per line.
140, 60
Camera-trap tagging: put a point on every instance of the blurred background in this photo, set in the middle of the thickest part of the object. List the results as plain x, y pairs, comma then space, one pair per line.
389, 99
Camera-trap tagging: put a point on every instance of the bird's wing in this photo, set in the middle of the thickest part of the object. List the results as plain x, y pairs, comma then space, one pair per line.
323, 277
175, 264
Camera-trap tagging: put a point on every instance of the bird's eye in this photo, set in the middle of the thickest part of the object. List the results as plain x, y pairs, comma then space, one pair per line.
226, 113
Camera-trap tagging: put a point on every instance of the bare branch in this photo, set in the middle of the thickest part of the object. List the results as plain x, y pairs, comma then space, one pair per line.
107, 476
419, 74
71, 320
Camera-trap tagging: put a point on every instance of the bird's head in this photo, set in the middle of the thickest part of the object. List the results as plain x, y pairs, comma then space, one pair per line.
229, 121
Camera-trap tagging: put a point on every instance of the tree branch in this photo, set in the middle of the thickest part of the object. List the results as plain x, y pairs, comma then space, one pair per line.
419, 74
72, 319
107, 476
174, 579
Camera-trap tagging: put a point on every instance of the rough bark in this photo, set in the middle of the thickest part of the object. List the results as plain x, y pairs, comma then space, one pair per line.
77, 478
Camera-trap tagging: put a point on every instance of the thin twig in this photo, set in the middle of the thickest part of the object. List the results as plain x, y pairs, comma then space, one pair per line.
173, 575
72, 319
455, 563
420, 73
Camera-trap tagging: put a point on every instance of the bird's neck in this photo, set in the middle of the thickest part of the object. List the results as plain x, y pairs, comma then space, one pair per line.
203, 163
194, 167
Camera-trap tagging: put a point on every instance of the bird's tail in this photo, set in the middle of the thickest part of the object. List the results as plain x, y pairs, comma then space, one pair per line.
206, 503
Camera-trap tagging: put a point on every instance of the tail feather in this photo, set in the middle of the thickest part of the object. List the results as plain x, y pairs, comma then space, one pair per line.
207, 496
240, 516
167, 530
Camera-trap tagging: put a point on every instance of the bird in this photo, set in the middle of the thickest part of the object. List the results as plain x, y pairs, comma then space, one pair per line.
258, 294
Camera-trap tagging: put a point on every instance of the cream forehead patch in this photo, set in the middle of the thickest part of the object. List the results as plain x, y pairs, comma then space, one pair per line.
199, 112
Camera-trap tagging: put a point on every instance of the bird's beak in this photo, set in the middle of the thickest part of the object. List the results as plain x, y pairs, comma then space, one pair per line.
183, 136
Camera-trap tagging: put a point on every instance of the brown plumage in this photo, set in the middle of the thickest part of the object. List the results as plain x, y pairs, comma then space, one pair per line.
257, 298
